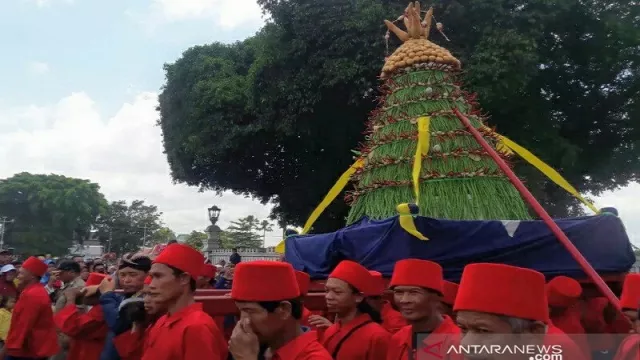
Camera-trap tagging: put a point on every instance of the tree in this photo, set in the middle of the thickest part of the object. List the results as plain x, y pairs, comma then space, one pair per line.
49, 211
265, 226
162, 236
122, 227
196, 239
242, 233
275, 116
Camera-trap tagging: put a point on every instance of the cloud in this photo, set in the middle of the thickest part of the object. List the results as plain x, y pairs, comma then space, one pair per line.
228, 14
38, 68
122, 153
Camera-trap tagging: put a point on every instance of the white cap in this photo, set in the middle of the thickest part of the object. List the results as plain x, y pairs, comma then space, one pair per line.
7, 268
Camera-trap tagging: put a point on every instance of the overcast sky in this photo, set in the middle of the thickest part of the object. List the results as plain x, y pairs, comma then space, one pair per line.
79, 89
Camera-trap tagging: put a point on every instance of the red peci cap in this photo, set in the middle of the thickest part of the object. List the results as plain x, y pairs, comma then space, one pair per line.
379, 283
414, 272
563, 291
147, 280
182, 257
449, 292
304, 281
355, 275
503, 290
94, 279
35, 266
630, 298
264, 281
209, 271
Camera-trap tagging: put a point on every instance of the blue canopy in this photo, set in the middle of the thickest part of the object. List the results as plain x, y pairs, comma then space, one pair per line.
377, 245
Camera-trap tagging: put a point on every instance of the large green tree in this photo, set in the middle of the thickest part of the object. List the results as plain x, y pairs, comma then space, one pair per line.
162, 236
196, 239
275, 116
123, 227
49, 212
242, 233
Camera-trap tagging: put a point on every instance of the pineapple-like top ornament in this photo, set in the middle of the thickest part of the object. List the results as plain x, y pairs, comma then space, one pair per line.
416, 51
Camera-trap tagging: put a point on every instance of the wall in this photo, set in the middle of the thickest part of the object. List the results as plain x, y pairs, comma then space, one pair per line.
247, 254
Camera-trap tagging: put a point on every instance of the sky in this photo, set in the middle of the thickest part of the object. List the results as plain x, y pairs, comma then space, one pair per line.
79, 86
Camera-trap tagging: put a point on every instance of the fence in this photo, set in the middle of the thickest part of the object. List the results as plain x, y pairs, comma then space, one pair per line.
247, 254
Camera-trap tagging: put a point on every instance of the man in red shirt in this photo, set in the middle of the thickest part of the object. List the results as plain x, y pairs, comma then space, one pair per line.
32, 334
267, 294
185, 332
392, 320
509, 301
417, 291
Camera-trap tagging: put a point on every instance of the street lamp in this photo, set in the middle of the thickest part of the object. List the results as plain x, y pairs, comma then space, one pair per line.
214, 214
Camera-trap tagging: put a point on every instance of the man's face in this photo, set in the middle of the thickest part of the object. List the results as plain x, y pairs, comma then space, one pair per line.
340, 297
10, 275
66, 276
415, 303
165, 285
78, 259
151, 306
24, 277
488, 329
99, 268
266, 325
376, 302
131, 280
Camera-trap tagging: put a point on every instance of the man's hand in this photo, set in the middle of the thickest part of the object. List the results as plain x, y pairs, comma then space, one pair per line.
319, 322
107, 285
90, 290
244, 344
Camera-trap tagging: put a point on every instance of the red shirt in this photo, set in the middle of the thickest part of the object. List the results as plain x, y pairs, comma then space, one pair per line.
570, 350
86, 330
189, 334
392, 320
32, 333
447, 333
369, 342
7, 288
130, 344
304, 347
570, 323
629, 348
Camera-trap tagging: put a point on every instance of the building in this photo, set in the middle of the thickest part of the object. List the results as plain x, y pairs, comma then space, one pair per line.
90, 249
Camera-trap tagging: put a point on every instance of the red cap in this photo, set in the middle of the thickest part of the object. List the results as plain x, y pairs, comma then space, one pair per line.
147, 280
355, 275
379, 283
94, 279
262, 280
413, 272
503, 290
304, 280
209, 271
182, 257
563, 291
630, 298
35, 266
449, 292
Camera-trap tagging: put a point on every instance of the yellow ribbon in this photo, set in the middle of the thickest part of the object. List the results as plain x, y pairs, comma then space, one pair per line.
547, 170
422, 149
406, 220
331, 195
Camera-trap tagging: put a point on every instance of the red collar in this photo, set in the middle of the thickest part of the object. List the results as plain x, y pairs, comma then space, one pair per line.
170, 319
296, 346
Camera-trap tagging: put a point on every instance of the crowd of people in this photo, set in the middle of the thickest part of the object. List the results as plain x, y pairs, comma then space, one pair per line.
143, 307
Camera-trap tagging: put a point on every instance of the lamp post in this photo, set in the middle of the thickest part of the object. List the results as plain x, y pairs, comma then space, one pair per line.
214, 214
213, 232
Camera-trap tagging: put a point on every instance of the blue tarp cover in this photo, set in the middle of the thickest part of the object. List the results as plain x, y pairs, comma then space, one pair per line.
377, 245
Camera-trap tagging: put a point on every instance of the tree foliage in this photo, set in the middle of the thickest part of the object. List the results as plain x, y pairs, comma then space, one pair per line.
121, 228
49, 212
275, 116
162, 236
196, 239
242, 233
